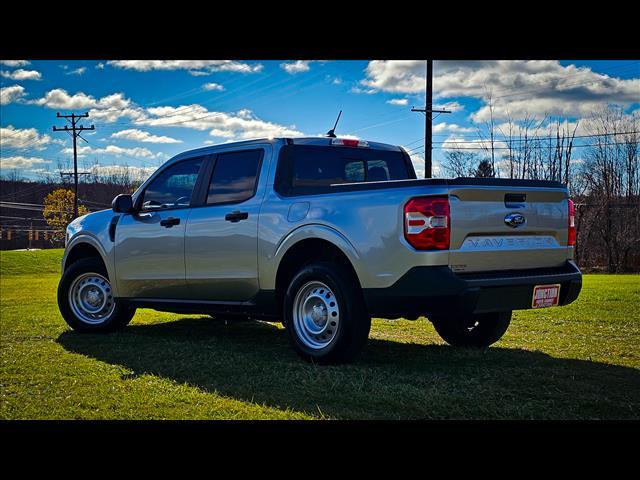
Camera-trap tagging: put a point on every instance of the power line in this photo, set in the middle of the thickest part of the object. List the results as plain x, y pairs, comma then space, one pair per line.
520, 140
611, 144
32, 207
535, 138
9, 217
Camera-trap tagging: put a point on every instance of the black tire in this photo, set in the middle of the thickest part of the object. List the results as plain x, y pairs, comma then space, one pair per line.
119, 317
480, 330
352, 331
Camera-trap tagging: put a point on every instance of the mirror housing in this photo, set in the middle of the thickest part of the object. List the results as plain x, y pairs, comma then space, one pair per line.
123, 203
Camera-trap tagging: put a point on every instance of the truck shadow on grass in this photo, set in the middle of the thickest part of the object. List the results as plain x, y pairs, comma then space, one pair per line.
252, 361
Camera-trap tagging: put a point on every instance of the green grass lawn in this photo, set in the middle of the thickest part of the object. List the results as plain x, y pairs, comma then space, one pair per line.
580, 361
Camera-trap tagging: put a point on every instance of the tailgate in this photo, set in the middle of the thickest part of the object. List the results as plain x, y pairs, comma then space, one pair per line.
503, 227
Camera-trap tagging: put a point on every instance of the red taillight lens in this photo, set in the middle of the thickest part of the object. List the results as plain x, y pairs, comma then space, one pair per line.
426, 223
571, 241
349, 142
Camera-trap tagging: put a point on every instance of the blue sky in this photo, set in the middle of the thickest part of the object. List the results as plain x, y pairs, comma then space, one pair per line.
147, 111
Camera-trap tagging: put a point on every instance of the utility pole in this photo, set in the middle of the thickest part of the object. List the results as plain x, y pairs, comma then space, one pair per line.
74, 131
428, 112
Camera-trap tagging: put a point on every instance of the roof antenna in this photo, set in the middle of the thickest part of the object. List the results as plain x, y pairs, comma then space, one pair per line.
332, 133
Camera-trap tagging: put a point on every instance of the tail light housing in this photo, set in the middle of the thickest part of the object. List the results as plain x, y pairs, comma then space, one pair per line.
427, 223
571, 240
349, 142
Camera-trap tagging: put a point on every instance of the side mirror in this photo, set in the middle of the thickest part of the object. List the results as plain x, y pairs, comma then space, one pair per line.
123, 203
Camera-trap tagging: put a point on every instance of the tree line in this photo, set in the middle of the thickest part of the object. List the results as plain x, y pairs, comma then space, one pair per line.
599, 166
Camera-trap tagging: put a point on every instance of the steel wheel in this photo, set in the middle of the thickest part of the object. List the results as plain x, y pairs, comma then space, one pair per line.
90, 298
316, 315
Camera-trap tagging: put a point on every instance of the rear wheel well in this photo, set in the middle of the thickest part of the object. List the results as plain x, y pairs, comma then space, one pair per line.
80, 251
303, 253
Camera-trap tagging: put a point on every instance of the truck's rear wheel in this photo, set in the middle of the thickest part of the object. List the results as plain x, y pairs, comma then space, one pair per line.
479, 330
325, 315
86, 302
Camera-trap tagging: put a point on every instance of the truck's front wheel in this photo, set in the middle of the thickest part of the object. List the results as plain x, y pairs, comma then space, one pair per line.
479, 330
325, 315
86, 301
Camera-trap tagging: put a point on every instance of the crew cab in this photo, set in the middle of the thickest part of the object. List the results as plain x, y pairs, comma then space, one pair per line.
322, 234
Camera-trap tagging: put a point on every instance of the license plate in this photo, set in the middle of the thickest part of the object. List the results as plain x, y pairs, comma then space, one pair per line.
545, 296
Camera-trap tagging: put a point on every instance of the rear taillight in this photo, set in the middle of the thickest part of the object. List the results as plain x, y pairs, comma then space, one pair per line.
426, 223
571, 240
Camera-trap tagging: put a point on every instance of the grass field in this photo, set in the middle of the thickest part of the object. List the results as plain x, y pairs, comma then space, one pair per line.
580, 361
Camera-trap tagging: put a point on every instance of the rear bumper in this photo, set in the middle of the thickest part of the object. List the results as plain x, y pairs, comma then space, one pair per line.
438, 290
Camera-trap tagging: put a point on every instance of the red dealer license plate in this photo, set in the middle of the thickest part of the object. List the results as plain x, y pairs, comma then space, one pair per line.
545, 296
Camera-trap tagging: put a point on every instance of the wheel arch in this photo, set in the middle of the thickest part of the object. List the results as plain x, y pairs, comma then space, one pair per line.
308, 249
87, 247
82, 249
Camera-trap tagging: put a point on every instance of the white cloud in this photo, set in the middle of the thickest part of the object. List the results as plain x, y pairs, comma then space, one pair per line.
451, 127
195, 65
417, 159
453, 107
213, 86
398, 101
11, 94
21, 74
15, 63
396, 76
115, 106
538, 87
108, 108
135, 173
368, 91
458, 143
20, 163
77, 71
241, 125
141, 136
11, 137
138, 152
298, 66
418, 163
100, 66
60, 99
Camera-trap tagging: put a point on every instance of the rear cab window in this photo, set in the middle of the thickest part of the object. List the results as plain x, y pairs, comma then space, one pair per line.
234, 177
309, 169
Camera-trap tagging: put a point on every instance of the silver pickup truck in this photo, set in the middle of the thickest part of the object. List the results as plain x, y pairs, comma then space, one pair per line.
322, 234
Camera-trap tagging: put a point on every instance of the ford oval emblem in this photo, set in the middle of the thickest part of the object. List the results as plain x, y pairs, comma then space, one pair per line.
514, 220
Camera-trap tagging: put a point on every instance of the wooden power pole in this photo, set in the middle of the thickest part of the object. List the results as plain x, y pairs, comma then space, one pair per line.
428, 124
74, 131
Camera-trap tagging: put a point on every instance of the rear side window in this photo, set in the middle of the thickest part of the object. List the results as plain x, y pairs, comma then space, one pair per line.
234, 177
306, 169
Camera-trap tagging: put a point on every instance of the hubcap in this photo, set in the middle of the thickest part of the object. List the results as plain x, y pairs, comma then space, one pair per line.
316, 315
91, 299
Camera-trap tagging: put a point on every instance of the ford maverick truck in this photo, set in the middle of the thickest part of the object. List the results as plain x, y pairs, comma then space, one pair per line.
322, 234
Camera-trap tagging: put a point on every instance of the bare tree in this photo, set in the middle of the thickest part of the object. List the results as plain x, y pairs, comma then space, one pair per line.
460, 164
487, 130
610, 173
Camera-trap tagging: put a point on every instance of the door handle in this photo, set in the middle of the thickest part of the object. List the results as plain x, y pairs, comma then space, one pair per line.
236, 216
170, 222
